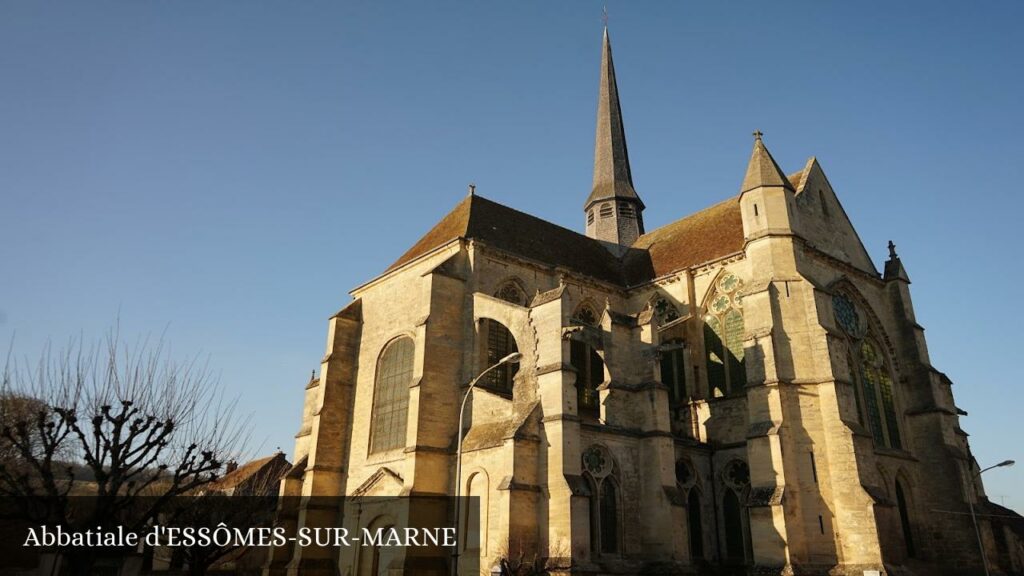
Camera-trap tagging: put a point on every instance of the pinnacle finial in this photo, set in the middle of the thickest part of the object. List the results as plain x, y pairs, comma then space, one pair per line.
892, 251
604, 16
472, 189
757, 135
313, 375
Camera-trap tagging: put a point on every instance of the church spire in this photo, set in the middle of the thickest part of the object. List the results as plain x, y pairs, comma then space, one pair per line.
762, 171
613, 208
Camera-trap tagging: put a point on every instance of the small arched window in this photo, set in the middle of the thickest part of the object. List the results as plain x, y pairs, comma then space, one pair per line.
511, 292
607, 210
391, 396
500, 344
901, 503
673, 371
723, 338
585, 315
693, 522
609, 505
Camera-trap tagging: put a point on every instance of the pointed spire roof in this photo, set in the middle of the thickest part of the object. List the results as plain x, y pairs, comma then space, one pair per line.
612, 176
762, 169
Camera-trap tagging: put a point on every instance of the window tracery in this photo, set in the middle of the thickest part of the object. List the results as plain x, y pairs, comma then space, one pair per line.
723, 337
873, 385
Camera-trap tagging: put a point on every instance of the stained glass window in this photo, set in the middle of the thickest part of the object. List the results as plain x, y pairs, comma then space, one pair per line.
391, 396
664, 311
873, 386
846, 315
723, 338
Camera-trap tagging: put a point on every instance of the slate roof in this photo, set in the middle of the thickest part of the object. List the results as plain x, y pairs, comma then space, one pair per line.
707, 235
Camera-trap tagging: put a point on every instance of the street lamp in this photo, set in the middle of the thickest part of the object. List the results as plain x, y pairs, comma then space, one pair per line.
974, 518
512, 358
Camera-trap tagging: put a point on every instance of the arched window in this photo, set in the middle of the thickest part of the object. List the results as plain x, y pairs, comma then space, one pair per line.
391, 396
500, 344
736, 477
901, 503
599, 469
585, 315
723, 337
734, 547
511, 292
693, 522
873, 387
609, 505
589, 375
673, 371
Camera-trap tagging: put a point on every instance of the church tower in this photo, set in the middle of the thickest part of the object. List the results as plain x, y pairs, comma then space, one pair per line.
613, 210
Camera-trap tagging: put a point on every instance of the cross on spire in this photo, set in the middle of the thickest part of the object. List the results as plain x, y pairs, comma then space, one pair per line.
758, 134
604, 15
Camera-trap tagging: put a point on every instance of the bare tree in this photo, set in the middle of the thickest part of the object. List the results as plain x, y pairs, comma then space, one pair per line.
516, 558
124, 427
250, 504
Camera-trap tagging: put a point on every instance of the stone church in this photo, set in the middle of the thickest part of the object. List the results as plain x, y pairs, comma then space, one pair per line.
739, 391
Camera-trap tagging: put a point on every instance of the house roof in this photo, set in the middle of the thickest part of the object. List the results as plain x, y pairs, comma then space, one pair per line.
246, 471
702, 237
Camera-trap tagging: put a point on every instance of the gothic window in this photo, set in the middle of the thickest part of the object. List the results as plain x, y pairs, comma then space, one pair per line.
693, 522
607, 210
736, 477
664, 310
511, 292
599, 469
391, 396
873, 386
500, 344
733, 527
673, 371
589, 375
585, 315
609, 505
723, 337
901, 503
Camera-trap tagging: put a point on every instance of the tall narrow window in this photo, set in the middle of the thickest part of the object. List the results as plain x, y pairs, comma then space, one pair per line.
609, 517
873, 385
723, 338
673, 371
694, 524
391, 396
589, 375
901, 503
500, 344
733, 517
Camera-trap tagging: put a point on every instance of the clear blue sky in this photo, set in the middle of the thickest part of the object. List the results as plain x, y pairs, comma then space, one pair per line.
227, 171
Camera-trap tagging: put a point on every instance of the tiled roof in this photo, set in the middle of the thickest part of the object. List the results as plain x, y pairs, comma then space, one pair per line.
245, 472
701, 237
521, 234
707, 235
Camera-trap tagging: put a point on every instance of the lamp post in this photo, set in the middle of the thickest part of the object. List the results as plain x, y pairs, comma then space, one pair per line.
512, 358
974, 518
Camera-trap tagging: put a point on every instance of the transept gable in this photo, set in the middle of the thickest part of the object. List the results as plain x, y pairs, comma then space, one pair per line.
825, 224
